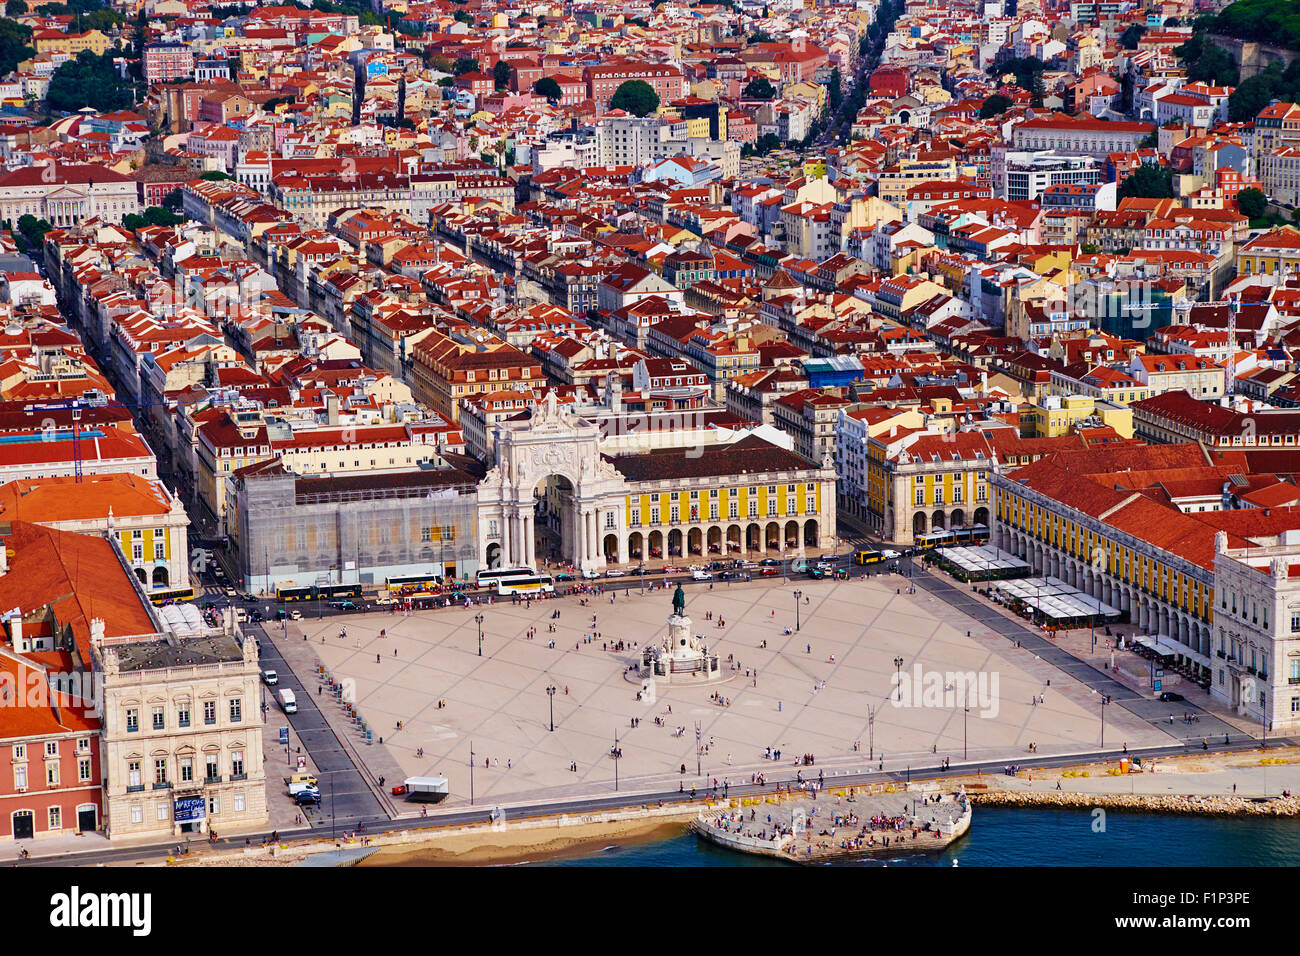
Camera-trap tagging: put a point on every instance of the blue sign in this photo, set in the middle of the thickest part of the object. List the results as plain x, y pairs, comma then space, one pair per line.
284, 736
189, 809
1157, 686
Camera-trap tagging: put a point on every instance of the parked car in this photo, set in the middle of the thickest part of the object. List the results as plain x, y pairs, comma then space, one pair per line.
614, 573
307, 797
701, 576
343, 605
889, 554
770, 562
1170, 697
768, 573
564, 576
270, 678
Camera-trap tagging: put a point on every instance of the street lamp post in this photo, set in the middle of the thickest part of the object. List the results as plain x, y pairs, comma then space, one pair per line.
1104, 701
471, 773
550, 693
616, 756
965, 713
898, 676
478, 619
871, 733
797, 596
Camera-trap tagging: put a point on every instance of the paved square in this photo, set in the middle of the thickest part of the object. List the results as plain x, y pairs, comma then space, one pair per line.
812, 692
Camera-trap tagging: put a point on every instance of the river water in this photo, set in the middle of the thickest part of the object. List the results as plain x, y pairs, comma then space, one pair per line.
1032, 838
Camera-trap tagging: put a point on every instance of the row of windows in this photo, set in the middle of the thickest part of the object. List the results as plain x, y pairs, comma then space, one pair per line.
52, 773
185, 767
733, 511
162, 808
51, 748
158, 714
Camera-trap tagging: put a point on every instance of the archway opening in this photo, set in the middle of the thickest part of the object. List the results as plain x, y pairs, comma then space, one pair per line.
160, 577
695, 541
918, 524
675, 542
715, 540
555, 535
656, 544
810, 533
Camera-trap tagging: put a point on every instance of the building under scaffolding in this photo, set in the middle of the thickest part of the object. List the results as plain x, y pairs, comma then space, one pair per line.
360, 529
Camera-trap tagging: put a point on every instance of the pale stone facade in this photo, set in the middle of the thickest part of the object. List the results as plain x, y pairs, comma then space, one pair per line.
182, 735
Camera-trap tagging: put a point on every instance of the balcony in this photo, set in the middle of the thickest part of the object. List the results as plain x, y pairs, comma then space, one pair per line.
238, 776
212, 779
138, 788
162, 786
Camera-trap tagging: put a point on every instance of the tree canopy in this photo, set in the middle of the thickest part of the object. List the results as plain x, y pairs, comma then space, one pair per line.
1269, 21
14, 38
153, 216
636, 97
501, 74
759, 88
31, 232
1148, 181
466, 64
215, 175
995, 105
548, 88
92, 81
1129, 38
1252, 202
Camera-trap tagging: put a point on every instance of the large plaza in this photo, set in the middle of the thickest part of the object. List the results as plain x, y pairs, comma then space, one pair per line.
824, 689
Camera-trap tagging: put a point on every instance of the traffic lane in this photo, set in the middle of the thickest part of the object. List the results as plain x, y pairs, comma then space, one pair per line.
352, 795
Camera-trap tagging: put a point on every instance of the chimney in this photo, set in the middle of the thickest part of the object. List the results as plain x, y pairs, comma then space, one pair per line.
614, 391
331, 409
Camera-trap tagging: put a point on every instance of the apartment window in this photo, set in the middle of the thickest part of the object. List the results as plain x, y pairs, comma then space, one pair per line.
938, 494
83, 745
920, 496
56, 818
214, 805
187, 769
636, 516
160, 811
237, 763
137, 552
158, 721
83, 769
20, 777
211, 774
713, 511
753, 507
734, 510
609, 519
20, 751
183, 713
137, 814
160, 771
239, 801
956, 494
236, 709
654, 515
133, 779
132, 720
51, 748
52, 774
209, 711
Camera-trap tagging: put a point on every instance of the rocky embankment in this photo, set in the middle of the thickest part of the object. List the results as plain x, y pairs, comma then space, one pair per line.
1142, 803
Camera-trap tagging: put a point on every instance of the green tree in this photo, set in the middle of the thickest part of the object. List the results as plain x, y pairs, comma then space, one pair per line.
14, 38
548, 88
15, 8
636, 97
995, 105
215, 176
466, 64
464, 17
92, 81
1253, 203
1129, 38
766, 143
759, 88
759, 36
32, 232
501, 74
1148, 181
834, 92
174, 201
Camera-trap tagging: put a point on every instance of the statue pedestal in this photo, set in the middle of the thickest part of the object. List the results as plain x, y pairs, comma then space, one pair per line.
681, 656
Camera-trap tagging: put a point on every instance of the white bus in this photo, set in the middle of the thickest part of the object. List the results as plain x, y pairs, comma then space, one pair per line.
526, 585
488, 579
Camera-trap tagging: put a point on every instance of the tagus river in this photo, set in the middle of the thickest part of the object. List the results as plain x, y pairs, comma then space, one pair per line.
1032, 838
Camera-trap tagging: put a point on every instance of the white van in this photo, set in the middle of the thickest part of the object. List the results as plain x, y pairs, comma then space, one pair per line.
288, 701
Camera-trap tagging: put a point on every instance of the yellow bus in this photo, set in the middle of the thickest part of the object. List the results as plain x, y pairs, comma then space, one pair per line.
867, 557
